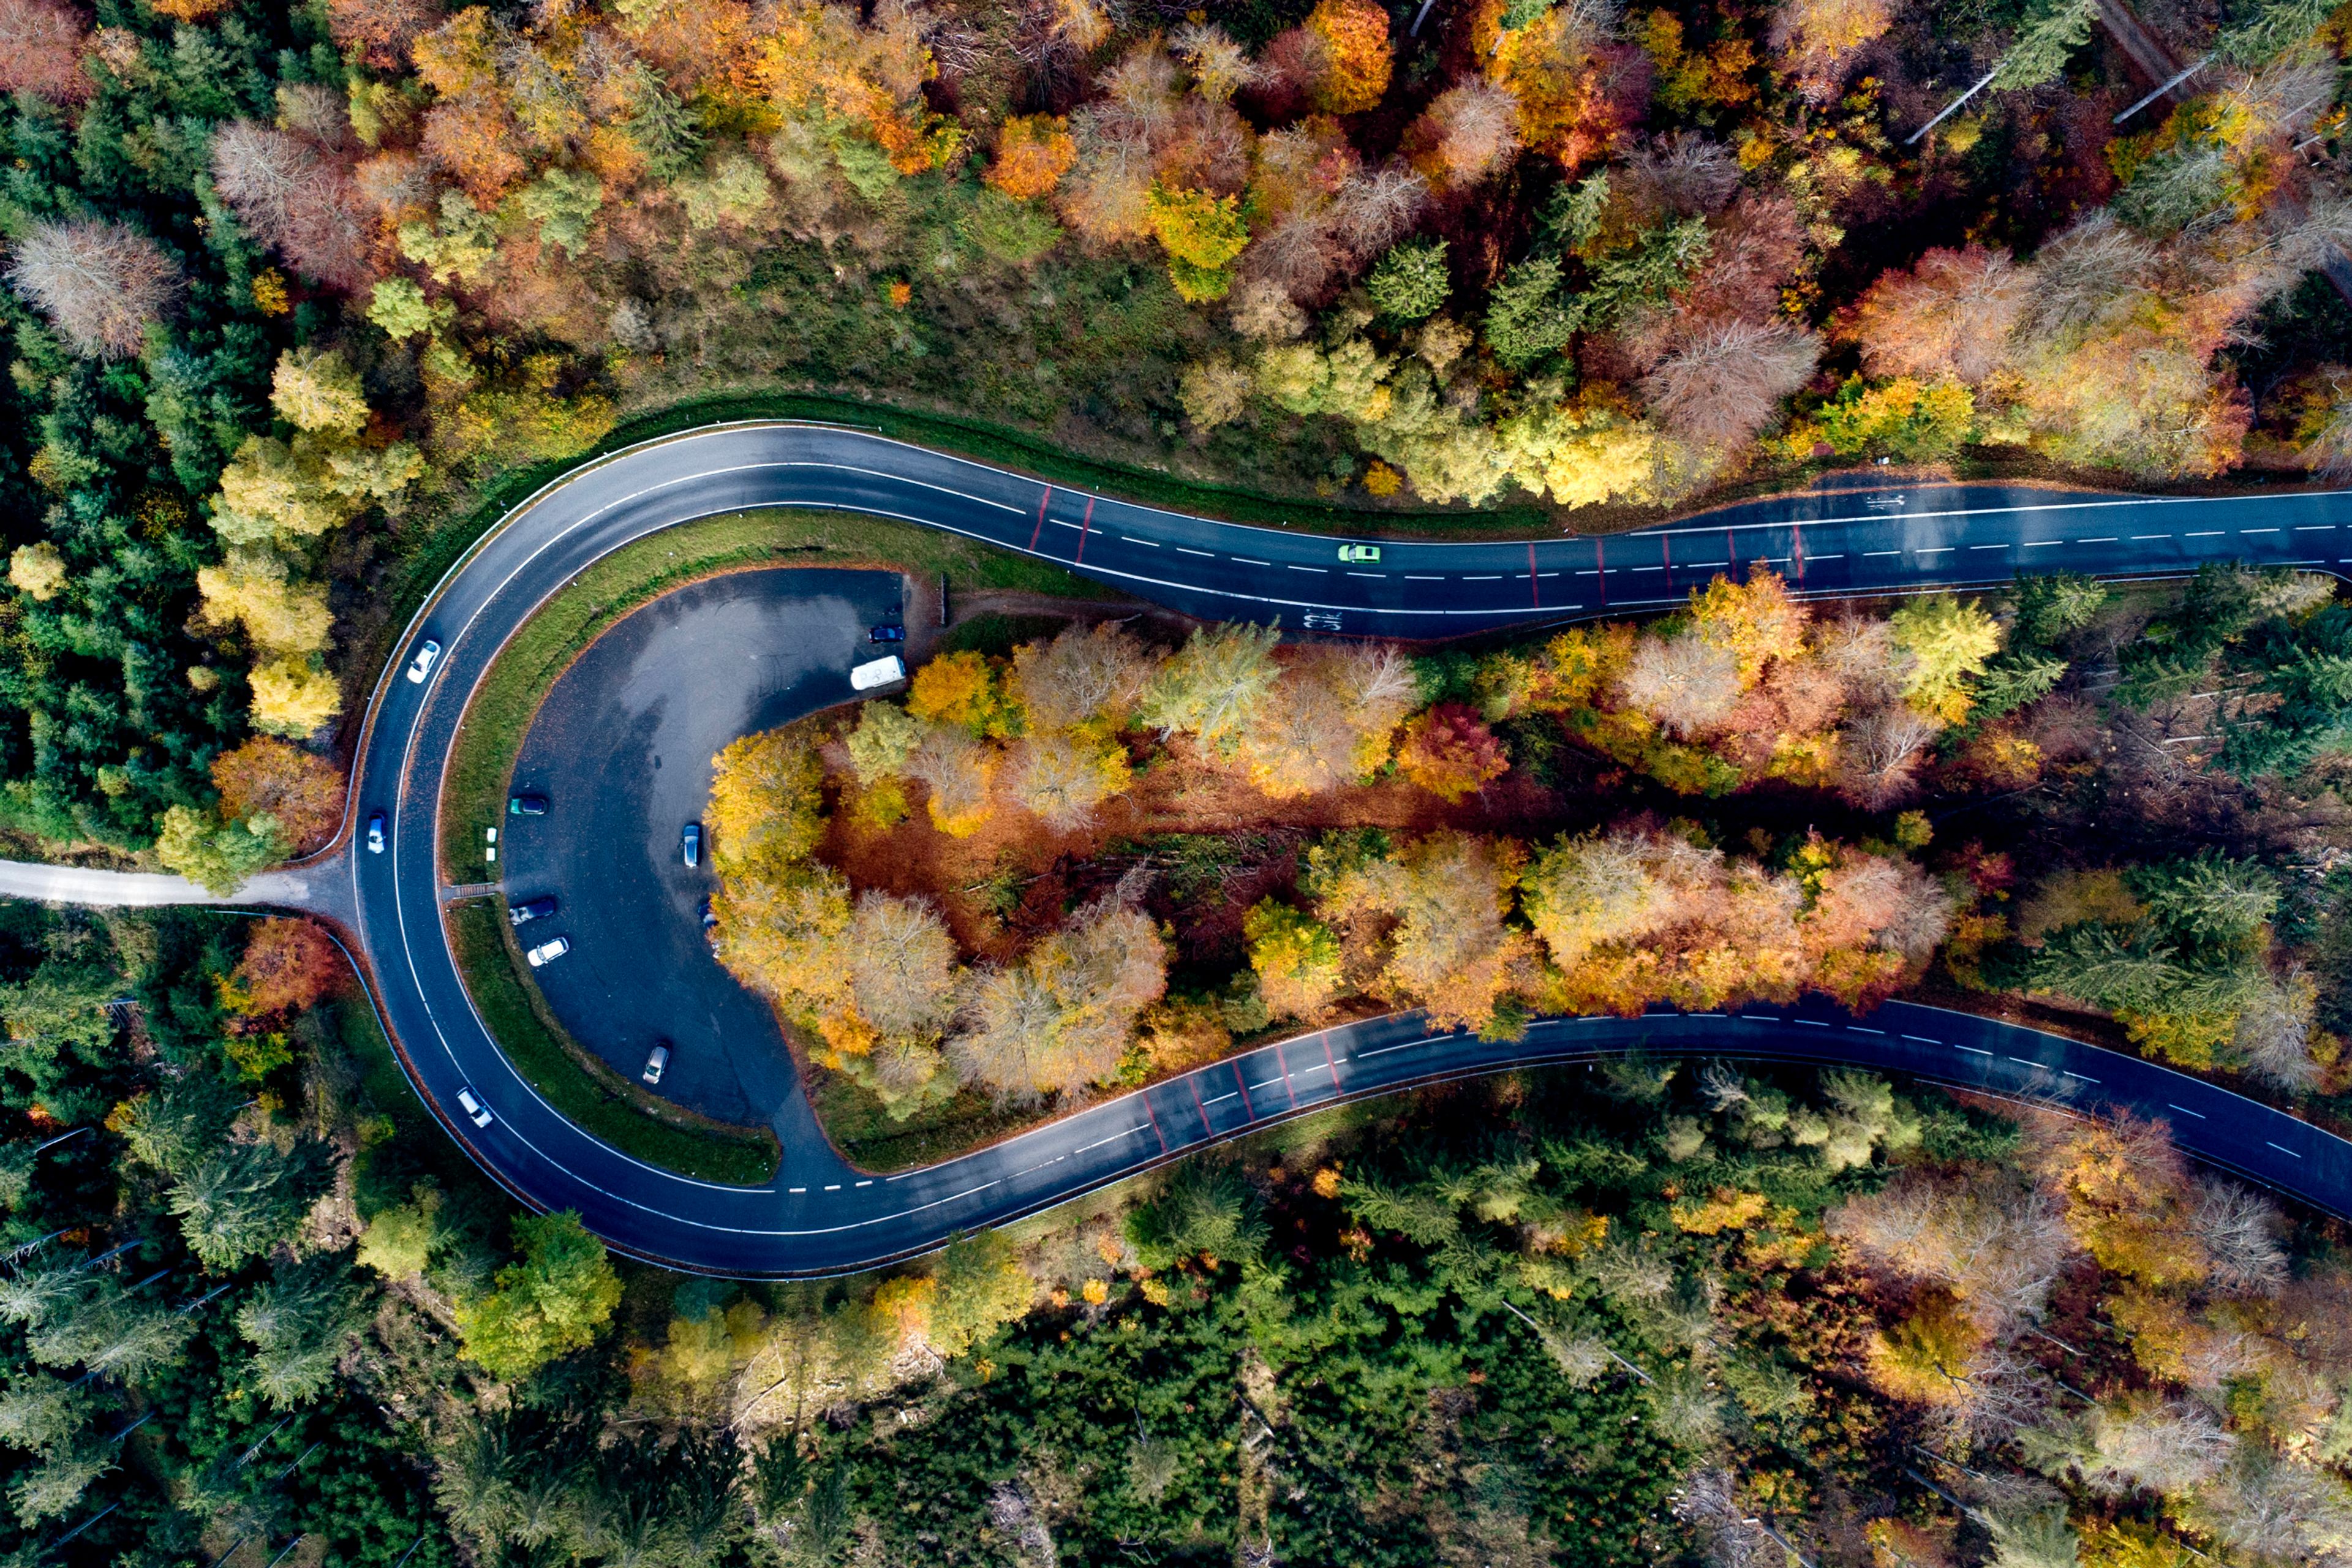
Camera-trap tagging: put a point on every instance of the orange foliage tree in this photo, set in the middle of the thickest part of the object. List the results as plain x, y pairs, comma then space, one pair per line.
1031, 155
287, 964
1577, 92
1357, 56
300, 790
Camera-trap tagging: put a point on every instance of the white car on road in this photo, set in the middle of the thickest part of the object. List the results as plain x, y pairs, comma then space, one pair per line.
427, 652
876, 672
476, 1112
547, 952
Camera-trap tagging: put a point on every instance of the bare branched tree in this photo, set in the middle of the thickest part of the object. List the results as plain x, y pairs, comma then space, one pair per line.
295, 197
1720, 384
1686, 683
2240, 1230
1376, 205
99, 283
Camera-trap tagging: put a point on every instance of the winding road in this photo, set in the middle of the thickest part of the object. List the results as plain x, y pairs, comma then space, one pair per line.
820, 1216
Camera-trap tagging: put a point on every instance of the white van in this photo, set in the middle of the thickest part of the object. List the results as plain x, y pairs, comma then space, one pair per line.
876, 672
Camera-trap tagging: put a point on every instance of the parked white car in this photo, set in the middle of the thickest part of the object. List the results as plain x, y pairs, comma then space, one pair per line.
547, 952
877, 672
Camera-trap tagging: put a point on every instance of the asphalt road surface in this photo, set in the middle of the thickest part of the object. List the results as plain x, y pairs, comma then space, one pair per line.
820, 1216
621, 751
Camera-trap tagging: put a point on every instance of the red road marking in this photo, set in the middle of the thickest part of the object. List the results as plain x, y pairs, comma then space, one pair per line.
1287, 1087
1797, 548
1155, 1123
1535, 595
1243, 1084
1666, 558
1731, 555
1192, 1082
1083, 523
1042, 502
1328, 1059
1601, 566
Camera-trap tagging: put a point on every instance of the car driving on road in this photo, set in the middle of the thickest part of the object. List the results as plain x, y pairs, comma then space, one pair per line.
657, 1063
427, 652
689, 844
527, 806
376, 834
476, 1112
548, 951
537, 909
1359, 554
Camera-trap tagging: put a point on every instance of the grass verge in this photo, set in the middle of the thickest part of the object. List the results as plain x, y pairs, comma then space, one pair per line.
870, 1138
473, 789
586, 1092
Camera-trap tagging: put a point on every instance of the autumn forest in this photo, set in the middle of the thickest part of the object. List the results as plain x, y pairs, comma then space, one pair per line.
300, 299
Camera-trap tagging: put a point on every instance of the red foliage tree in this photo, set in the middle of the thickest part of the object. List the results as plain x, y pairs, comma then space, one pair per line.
287, 964
40, 50
1449, 752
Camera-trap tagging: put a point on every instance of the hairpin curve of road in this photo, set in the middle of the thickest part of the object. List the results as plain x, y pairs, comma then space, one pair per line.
820, 1215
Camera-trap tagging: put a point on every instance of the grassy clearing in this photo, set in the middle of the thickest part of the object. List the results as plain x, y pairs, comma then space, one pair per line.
584, 1091
491, 736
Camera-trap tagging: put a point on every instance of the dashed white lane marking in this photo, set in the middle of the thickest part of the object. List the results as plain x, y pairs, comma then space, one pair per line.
1229, 1094
1204, 554
1810, 1022
1936, 549
2144, 538
2283, 1149
795, 1189
1923, 1040
1112, 1139
865, 1184
2245, 531
1838, 556
1858, 1029
1251, 560
2209, 533
2086, 1078
2184, 1111
1496, 578
2103, 539
1988, 547
2317, 528
1415, 577
1381, 575
832, 1187
1132, 539
2038, 543
2027, 1062
1874, 554
1973, 1051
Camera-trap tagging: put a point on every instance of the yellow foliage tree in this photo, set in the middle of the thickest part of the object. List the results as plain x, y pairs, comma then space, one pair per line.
767, 804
